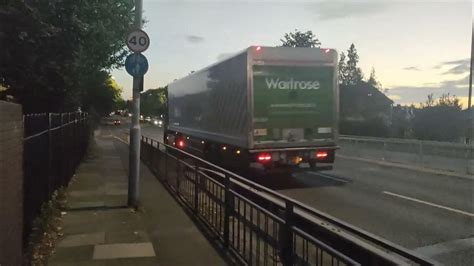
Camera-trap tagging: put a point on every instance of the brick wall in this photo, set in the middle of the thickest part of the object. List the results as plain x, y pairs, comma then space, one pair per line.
11, 183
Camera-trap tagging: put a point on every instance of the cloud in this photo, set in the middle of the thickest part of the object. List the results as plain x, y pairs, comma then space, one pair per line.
459, 69
463, 82
412, 68
394, 97
417, 94
456, 66
194, 38
328, 10
456, 62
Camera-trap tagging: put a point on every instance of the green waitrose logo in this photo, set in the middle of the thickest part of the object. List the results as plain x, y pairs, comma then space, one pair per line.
276, 83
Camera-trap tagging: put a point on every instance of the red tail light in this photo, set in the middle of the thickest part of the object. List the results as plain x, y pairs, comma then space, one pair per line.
181, 143
264, 157
321, 154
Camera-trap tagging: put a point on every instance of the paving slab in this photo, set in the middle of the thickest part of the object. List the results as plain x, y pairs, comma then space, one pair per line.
99, 229
82, 240
123, 250
71, 255
127, 236
85, 204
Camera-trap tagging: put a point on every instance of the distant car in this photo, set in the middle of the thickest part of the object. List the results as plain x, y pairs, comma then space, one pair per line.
117, 122
157, 122
148, 119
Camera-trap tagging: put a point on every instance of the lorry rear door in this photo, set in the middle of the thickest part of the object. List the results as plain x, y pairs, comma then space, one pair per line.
293, 106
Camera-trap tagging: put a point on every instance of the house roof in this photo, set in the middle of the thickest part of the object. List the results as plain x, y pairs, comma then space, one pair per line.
367, 89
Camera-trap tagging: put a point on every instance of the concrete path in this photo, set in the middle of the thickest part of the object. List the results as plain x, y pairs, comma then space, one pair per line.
99, 229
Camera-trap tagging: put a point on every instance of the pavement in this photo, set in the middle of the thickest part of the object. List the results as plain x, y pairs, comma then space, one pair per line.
430, 212
99, 229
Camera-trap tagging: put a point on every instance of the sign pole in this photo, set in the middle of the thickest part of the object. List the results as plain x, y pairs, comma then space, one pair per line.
470, 130
135, 130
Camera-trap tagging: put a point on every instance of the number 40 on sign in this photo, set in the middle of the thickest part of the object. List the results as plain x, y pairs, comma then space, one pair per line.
138, 41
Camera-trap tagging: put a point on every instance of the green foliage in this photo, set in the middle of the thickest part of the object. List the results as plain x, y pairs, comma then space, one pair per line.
364, 110
439, 120
373, 80
300, 39
352, 72
120, 104
55, 53
401, 122
374, 127
101, 93
154, 102
342, 69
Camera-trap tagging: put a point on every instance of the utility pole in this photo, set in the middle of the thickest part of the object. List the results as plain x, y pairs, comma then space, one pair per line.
135, 130
470, 131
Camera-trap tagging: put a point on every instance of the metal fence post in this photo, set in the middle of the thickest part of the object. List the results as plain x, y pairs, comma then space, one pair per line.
286, 235
142, 148
76, 142
63, 160
150, 153
227, 209
420, 153
51, 179
156, 158
71, 147
166, 164
178, 169
384, 150
196, 189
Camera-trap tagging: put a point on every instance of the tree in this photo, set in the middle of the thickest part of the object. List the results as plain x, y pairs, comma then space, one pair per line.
342, 69
102, 94
439, 120
373, 80
53, 50
154, 102
430, 102
300, 39
353, 71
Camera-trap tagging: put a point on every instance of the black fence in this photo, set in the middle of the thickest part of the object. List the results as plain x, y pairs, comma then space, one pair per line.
260, 226
53, 146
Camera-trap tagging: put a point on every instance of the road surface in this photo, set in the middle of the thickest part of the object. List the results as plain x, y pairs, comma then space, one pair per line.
430, 213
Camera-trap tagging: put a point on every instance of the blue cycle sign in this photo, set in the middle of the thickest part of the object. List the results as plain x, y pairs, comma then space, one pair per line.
136, 65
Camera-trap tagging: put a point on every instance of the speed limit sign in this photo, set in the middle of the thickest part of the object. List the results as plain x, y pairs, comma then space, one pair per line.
138, 41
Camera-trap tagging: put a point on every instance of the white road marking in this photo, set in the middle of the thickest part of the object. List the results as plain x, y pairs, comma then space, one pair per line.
446, 247
429, 204
329, 177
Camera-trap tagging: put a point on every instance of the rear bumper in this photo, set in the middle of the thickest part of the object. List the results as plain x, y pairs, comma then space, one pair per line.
306, 148
296, 157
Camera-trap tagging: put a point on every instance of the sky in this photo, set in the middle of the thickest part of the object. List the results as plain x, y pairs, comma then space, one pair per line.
416, 47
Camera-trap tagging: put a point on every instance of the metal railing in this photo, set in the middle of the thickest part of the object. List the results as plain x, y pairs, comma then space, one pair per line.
447, 156
53, 145
260, 226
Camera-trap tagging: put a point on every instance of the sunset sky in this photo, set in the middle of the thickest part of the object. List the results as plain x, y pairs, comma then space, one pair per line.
416, 47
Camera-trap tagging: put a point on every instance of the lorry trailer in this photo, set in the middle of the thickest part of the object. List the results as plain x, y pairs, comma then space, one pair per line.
263, 108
